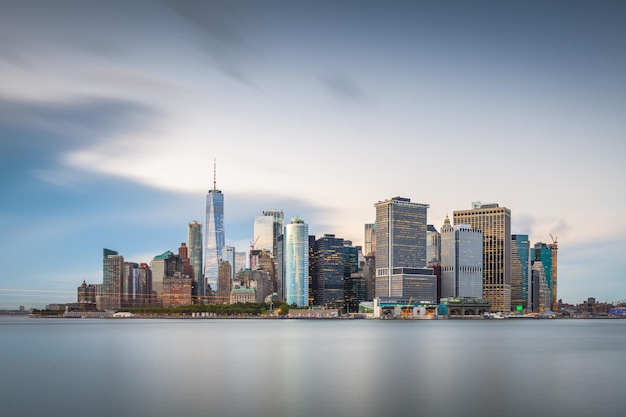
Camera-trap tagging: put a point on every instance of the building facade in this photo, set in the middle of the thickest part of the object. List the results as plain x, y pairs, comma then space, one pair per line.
495, 223
461, 261
214, 236
194, 238
400, 241
433, 245
327, 264
520, 272
296, 263
278, 217
112, 279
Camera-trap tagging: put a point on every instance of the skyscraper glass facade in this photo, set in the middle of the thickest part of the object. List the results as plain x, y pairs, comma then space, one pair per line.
400, 239
296, 263
495, 223
194, 237
214, 236
520, 272
328, 272
461, 261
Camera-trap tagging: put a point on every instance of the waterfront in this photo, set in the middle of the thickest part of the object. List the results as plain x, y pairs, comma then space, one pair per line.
311, 367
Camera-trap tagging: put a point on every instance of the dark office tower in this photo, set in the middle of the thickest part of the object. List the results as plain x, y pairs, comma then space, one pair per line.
542, 253
144, 286
310, 286
225, 283
400, 242
278, 217
433, 245
554, 247
112, 277
128, 284
194, 238
495, 223
328, 272
214, 234
520, 272
353, 280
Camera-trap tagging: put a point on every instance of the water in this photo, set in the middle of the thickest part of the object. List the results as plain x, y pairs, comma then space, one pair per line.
70, 367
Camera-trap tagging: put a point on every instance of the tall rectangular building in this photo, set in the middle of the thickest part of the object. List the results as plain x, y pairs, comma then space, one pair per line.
328, 272
214, 235
194, 237
520, 272
495, 223
112, 278
263, 233
278, 217
296, 263
400, 241
461, 261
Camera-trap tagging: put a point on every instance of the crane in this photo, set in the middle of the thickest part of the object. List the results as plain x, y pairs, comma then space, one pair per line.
253, 244
407, 310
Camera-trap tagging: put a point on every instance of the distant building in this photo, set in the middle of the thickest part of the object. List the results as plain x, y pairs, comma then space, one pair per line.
176, 290
541, 299
242, 295
278, 217
370, 239
228, 255
495, 223
520, 272
433, 245
194, 238
263, 233
86, 293
112, 278
327, 265
461, 261
225, 283
214, 235
400, 241
296, 263
240, 261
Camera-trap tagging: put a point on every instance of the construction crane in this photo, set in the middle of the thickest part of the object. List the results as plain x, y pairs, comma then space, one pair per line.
253, 244
554, 240
407, 310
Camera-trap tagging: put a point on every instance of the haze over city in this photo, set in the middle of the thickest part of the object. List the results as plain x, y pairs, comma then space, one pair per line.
112, 114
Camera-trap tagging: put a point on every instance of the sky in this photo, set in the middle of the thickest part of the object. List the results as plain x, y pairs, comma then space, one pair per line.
113, 113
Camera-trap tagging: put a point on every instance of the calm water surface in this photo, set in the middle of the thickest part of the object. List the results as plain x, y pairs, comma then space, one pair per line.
66, 367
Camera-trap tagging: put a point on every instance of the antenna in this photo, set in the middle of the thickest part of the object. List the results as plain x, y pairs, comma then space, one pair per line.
214, 175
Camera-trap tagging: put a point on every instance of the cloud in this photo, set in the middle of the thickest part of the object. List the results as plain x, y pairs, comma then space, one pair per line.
221, 30
35, 135
343, 86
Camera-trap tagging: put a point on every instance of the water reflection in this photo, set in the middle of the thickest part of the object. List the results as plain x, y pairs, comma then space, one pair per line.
321, 368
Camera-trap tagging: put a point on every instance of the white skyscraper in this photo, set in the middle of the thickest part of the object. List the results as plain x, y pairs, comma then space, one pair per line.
296, 263
461, 261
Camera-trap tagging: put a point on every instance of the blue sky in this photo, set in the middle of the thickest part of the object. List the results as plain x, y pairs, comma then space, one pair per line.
111, 114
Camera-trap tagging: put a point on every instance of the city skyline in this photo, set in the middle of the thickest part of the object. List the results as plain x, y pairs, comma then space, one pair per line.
111, 115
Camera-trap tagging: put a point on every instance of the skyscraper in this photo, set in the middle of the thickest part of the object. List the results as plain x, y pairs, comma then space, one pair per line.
194, 237
328, 271
278, 217
495, 223
520, 272
542, 252
214, 234
263, 233
296, 263
461, 261
112, 278
433, 245
228, 255
400, 241
370, 239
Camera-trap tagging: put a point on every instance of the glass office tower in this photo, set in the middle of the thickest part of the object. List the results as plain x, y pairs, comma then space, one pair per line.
194, 237
400, 240
296, 263
495, 223
214, 235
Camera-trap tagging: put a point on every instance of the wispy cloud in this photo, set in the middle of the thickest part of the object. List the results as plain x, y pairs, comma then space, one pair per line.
343, 86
